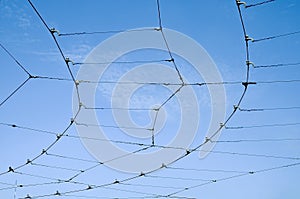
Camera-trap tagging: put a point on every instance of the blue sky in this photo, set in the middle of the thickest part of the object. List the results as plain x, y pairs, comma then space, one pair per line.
264, 140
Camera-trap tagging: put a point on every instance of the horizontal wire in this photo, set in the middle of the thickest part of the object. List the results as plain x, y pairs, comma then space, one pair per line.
268, 109
129, 197
258, 4
204, 170
96, 197
263, 125
236, 176
277, 65
120, 108
253, 155
71, 158
11, 169
72, 136
55, 167
278, 81
122, 62
110, 126
258, 140
151, 185
176, 178
4, 183
276, 36
106, 32
28, 128
31, 185
158, 146
132, 191
164, 83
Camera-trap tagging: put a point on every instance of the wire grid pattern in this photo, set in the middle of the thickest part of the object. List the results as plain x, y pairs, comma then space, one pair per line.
45, 176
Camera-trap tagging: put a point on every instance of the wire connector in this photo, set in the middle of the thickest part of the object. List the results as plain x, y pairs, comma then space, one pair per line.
44, 151
248, 63
57, 193
247, 83
188, 151
10, 169
68, 60
247, 38
28, 197
207, 139
238, 2
53, 30
235, 107
89, 187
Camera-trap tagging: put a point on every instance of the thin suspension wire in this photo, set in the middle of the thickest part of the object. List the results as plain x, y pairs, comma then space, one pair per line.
15, 91
277, 65
263, 125
268, 109
258, 140
236, 176
259, 4
18, 63
122, 62
105, 32
276, 36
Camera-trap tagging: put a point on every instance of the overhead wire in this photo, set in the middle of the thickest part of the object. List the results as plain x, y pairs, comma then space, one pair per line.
259, 3
276, 36
64, 134
263, 125
268, 109
105, 32
236, 176
277, 65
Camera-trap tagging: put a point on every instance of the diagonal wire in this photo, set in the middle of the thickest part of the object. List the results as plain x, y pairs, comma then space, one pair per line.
18, 63
258, 4
276, 36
